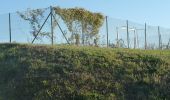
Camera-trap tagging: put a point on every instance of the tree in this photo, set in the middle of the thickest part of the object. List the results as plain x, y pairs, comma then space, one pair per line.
34, 18
84, 25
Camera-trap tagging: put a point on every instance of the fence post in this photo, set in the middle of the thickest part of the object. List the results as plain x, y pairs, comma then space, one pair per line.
9, 27
135, 38
145, 38
159, 34
83, 35
107, 31
167, 47
117, 32
127, 27
52, 32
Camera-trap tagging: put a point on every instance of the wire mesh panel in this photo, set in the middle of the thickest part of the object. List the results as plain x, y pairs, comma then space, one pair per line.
45, 26
62, 34
116, 35
46, 32
164, 38
25, 25
136, 35
152, 37
4, 28
102, 42
117, 32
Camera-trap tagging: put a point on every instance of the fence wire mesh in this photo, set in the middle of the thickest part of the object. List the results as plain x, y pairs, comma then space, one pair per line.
113, 33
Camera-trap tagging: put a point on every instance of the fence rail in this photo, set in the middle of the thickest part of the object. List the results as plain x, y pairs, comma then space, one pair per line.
114, 33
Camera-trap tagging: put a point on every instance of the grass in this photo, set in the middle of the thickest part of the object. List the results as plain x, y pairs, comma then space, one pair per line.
43, 72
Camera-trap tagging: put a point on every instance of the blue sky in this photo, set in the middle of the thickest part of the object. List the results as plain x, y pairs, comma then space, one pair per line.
154, 12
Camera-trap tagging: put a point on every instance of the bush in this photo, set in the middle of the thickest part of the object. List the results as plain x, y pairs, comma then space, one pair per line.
32, 72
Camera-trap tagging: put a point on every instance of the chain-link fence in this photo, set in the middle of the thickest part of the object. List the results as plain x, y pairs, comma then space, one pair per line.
43, 27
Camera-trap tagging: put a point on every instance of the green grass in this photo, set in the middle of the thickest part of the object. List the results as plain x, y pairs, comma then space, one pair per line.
42, 72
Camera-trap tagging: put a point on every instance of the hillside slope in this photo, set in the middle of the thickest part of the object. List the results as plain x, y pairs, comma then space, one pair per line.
32, 72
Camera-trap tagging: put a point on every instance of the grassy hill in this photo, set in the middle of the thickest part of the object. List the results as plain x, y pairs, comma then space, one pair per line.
41, 72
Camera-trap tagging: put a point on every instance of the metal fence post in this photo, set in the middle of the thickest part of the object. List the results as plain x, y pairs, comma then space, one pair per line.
107, 31
117, 33
52, 32
10, 28
167, 47
160, 40
82, 31
135, 38
145, 38
127, 27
